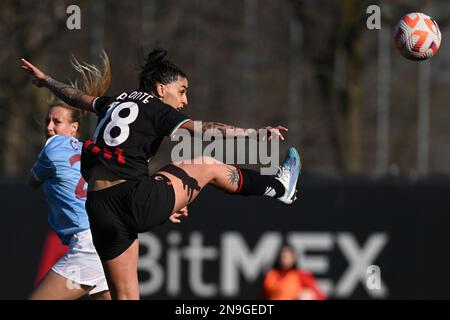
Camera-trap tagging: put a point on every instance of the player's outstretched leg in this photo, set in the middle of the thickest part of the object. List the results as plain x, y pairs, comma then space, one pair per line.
189, 179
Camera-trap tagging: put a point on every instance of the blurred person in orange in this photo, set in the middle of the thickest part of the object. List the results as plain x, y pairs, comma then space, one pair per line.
286, 281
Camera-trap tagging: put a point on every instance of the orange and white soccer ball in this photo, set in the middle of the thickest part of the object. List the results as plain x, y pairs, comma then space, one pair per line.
417, 36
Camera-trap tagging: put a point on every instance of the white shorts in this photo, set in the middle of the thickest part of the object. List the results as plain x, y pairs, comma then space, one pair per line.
81, 264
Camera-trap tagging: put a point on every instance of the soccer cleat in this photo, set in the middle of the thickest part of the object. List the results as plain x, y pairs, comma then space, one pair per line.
288, 174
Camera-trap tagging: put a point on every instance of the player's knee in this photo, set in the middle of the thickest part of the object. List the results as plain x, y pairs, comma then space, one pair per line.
123, 289
208, 167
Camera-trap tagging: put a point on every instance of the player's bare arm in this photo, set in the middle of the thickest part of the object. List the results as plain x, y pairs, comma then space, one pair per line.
226, 129
72, 96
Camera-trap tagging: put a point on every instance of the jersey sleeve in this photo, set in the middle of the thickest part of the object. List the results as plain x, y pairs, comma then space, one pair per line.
99, 104
43, 168
167, 120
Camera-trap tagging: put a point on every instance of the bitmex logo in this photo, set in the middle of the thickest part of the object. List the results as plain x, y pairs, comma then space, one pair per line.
236, 263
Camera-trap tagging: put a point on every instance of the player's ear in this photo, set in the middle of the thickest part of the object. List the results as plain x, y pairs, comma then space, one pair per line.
160, 90
75, 125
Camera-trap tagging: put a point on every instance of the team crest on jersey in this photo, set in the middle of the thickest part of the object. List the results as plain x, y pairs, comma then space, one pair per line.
74, 144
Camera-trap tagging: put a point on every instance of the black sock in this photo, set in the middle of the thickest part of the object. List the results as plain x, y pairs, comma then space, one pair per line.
252, 183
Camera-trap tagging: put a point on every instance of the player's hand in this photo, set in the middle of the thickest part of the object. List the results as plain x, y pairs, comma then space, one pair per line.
176, 216
39, 78
274, 131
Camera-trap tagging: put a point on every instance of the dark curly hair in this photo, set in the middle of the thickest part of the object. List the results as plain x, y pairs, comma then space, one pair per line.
158, 70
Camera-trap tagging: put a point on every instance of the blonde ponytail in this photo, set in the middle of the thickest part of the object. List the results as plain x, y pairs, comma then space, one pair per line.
94, 82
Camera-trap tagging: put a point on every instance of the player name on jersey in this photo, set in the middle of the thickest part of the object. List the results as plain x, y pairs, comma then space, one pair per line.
136, 95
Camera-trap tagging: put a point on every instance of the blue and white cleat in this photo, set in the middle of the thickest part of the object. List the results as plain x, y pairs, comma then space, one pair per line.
288, 174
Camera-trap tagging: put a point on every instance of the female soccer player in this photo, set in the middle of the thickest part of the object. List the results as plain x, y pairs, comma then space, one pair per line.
57, 168
122, 199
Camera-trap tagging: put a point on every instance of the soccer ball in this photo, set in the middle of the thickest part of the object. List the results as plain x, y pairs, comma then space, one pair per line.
417, 36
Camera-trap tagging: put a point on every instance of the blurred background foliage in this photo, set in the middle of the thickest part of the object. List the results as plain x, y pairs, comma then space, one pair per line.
354, 106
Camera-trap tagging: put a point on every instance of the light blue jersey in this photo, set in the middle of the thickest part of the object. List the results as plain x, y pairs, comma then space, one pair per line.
58, 168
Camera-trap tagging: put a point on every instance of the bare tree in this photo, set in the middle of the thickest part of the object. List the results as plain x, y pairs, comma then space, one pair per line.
34, 25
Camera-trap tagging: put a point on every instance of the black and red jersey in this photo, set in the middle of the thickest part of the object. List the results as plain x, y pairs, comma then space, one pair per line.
129, 132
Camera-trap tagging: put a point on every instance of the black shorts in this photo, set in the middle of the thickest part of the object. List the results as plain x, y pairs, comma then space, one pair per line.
118, 214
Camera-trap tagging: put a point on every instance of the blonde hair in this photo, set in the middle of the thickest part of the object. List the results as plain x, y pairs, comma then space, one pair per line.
94, 82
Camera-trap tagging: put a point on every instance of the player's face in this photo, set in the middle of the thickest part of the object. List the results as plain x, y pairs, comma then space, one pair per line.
59, 122
175, 93
287, 258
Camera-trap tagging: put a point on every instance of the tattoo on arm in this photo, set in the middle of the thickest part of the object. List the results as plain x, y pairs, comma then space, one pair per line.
67, 93
233, 176
225, 129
